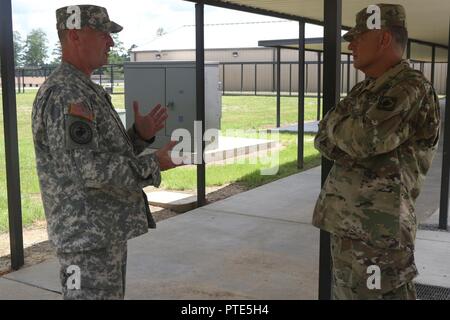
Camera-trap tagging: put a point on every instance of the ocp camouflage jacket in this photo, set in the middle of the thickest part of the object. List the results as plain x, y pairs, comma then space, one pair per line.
382, 137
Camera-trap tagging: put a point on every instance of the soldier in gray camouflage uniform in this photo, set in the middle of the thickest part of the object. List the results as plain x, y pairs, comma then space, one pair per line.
382, 138
90, 169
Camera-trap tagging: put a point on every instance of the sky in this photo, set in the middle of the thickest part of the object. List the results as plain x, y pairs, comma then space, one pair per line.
140, 19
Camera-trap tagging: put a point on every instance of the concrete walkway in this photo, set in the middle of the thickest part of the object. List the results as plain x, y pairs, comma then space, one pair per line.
255, 245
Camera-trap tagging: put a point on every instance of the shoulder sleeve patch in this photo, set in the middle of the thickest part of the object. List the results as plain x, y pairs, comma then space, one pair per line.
387, 103
80, 133
82, 111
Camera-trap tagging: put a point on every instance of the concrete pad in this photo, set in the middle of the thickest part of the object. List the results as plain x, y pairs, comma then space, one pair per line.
12, 290
434, 235
309, 127
255, 245
291, 199
434, 220
227, 148
428, 201
433, 258
44, 275
176, 201
232, 147
210, 255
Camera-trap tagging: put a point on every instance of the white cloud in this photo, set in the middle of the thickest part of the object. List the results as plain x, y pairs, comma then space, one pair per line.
140, 18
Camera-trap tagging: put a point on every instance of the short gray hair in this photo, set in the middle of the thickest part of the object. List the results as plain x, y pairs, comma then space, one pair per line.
400, 35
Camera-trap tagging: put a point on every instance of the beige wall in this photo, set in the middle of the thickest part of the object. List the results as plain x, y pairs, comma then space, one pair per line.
265, 73
224, 55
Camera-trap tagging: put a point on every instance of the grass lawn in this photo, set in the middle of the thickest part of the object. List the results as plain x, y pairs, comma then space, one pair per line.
251, 112
239, 112
247, 174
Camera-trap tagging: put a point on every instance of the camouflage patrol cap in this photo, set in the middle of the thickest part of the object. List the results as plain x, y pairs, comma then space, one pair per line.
79, 16
391, 15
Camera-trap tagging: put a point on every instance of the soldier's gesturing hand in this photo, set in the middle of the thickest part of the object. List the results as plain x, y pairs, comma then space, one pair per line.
148, 125
164, 157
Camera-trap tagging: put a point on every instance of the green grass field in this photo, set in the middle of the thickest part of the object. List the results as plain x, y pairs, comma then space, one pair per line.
239, 112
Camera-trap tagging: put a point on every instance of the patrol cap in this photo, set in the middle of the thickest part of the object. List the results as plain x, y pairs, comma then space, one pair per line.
392, 15
79, 16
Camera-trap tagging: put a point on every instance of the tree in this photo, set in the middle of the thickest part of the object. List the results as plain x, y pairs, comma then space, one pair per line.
160, 32
36, 48
118, 54
18, 49
57, 54
130, 51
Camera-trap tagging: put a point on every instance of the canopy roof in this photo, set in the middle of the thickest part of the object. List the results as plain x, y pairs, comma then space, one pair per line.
428, 21
315, 44
419, 52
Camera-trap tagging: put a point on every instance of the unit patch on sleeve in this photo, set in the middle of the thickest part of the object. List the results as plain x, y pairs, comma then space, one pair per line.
81, 132
387, 103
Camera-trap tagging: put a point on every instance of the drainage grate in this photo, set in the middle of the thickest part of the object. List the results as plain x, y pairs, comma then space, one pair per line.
427, 292
432, 227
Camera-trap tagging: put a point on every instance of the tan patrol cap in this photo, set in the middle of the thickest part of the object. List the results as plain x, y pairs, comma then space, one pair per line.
391, 15
79, 16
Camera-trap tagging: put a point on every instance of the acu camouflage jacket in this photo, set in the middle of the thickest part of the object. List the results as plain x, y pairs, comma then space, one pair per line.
382, 138
90, 174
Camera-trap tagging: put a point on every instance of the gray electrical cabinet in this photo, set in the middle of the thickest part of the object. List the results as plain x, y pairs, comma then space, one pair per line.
172, 84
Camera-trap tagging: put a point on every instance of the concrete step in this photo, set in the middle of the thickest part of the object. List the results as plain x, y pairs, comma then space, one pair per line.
176, 201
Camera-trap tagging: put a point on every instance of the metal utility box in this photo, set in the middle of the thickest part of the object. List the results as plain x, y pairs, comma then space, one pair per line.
172, 84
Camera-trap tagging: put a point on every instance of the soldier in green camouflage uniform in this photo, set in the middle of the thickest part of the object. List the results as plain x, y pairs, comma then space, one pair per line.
90, 169
382, 138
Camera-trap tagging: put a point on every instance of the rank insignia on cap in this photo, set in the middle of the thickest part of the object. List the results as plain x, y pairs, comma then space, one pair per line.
81, 111
387, 103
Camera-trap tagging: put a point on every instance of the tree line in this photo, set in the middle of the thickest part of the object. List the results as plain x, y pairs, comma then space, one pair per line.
32, 51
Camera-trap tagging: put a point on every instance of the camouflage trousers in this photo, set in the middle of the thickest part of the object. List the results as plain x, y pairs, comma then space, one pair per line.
353, 263
101, 273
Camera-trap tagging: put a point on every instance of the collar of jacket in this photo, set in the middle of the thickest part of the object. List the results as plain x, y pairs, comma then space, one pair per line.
81, 76
376, 85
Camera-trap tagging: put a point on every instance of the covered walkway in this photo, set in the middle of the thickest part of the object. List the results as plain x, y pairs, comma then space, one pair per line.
255, 245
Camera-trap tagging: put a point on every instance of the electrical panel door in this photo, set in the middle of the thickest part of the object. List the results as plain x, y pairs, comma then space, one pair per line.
181, 100
148, 87
173, 84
